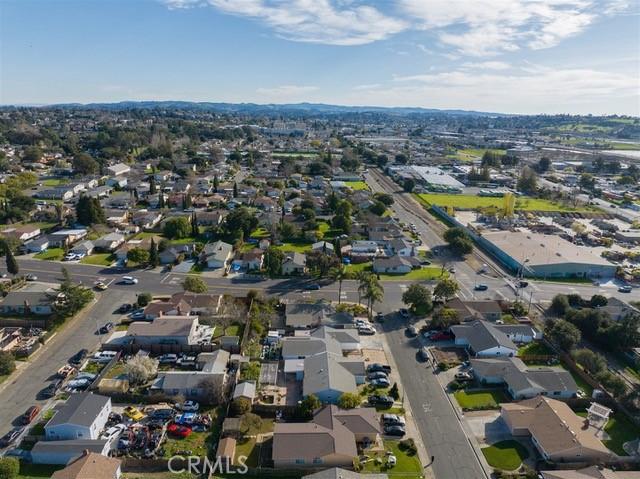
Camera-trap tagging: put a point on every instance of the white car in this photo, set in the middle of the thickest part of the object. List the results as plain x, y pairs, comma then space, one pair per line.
113, 432
129, 280
189, 406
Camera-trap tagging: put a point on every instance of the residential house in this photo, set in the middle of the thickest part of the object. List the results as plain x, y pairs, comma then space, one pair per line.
339, 473
183, 330
90, 466
109, 242
591, 472
37, 245
364, 248
210, 218
83, 247
555, 430
294, 264
305, 315
116, 217
348, 339
66, 237
330, 439
170, 256
118, 169
401, 247
197, 385
184, 303
618, 309
323, 246
83, 416
483, 339
217, 255
64, 452
146, 219
117, 182
22, 233
489, 310
39, 303
252, 260
392, 265
55, 194
522, 381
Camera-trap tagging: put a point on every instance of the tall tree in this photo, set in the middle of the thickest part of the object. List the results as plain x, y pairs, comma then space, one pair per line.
12, 264
89, 211
339, 274
216, 183
194, 225
152, 185
154, 259
235, 190
446, 288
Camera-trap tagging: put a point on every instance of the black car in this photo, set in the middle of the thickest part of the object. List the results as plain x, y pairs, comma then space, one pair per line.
106, 328
164, 413
481, 287
377, 367
394, 431
312, 287
79, 357
379, 400
523, 284
411, 332
125, 308
52, 389
10, 437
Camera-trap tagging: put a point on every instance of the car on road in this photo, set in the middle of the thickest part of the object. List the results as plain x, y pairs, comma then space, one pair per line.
10, 437
396, 430
411, 331
404, 313
189, 406
463, 376
380, 400
481, 287
442, 336
30, 415
133, 413
625, 289
79, 357
312, 287
380, 383
129, 280
105, 328
377, 375
31, 277
376, 367
100, 285
52, 389
423, 353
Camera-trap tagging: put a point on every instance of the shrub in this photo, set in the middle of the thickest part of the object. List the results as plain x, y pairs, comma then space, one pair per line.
7, 363
9, 468
408, 446
443, 366
240, 406
144, 299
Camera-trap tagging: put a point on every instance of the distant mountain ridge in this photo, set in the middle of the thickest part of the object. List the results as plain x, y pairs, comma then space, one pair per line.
270, 108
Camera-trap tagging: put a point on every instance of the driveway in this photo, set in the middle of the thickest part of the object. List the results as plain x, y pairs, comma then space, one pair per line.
487, 426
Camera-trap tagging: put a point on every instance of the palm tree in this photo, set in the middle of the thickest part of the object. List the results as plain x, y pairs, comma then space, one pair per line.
375, 293
339, 274
363, 279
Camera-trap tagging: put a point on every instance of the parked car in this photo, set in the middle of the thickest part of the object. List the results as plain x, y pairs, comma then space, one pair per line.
168, 359
423, 352
367, 331
52, 389
104, 329
412, 331
129, 280
31, 277
312, 287
103, 356
481, 287
377, 375
30, 415
133, 413
79, 357
380, 400
125, 308
137, 315
380, 383
179, 430
163, 413
442, 336
375, 367
404, 312
10, 437
392, 420
113, 432
398, 431
189, 406
463, 376
625, 289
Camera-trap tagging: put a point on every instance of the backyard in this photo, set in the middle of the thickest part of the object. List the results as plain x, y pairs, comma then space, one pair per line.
357, 185
480, 399
408, 465
620, 430
505, 455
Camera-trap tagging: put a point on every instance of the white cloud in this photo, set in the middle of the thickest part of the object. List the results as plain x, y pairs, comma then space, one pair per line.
489, 65
288, 93
370, 86
314, 21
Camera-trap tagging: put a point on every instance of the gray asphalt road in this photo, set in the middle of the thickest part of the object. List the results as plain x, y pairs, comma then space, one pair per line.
22, 392
439, 427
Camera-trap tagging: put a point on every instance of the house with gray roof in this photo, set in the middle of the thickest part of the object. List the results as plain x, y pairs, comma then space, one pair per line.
326, 377
83, 416
483, 339
216, 255
339, 473
306, 315
392, 265
522, 381
109, 242
63, 452
27, 302
348, 339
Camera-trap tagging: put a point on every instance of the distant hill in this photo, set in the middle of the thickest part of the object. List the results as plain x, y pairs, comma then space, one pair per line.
270, 108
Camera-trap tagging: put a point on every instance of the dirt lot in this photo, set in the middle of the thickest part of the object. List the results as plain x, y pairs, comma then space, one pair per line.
451, 356
371, 356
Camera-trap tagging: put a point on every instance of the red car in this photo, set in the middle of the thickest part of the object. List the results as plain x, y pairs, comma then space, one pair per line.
179, 430
442, 336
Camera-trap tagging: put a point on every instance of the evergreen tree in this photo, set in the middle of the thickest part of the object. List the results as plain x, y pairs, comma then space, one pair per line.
194, 225
216, 183
154, 259
161, 204
89, 211
12, 264
235, 190
152, 185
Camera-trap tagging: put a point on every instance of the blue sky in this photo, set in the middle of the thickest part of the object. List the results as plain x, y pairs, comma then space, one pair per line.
515, 56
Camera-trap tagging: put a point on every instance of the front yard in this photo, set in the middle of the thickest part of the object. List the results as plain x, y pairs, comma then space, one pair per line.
408, 465
101, 259
428, 273
51, 254
505, 455
480, 399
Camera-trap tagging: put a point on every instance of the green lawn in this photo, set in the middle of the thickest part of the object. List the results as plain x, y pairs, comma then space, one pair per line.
354, 269
247, 447
357, 185
534, 348
505, 455
473, 202
233, 330
624, 146
620, 430
297, 247
471, 154
260, 233
197, 442
427, 273
55, 182
101, 259
407, 466
51, 254
33, 471
481, 399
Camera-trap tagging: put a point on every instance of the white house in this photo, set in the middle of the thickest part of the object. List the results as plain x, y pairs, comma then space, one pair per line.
118, 169
109, 242
217, 255
83, 416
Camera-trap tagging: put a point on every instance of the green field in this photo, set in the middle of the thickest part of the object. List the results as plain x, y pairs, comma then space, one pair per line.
472, 154
422, 274
472, 202
297, 247
52, 254
505, 455
484, 399
54, 182
259, 233
101, 259
616, 145
407, 466
357, 185
620, 430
